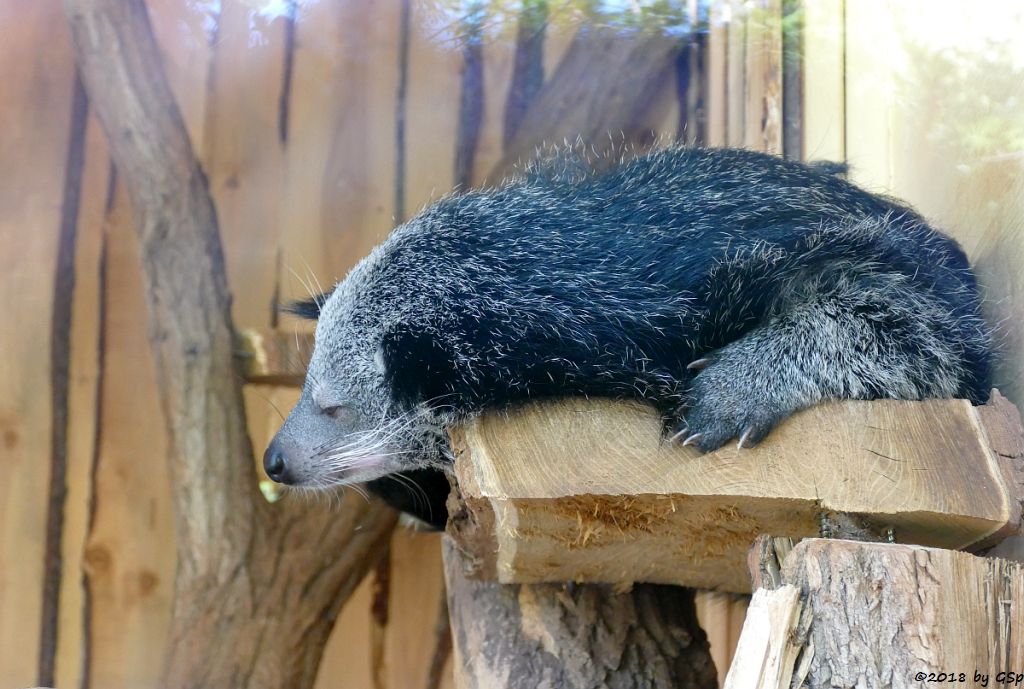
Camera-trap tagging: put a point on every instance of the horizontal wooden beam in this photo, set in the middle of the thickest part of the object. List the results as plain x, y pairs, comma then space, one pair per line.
589, 491
272, 357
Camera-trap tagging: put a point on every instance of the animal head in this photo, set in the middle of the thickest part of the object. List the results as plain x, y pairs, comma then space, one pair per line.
348, 427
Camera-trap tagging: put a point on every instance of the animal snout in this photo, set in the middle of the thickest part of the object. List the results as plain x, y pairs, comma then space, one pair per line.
274, 463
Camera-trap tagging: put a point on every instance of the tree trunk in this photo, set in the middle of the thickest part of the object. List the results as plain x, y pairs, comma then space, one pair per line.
571, 637
880, 615
258, 586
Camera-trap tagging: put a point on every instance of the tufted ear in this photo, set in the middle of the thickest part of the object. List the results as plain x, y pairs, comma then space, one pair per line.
416, 363
308, 308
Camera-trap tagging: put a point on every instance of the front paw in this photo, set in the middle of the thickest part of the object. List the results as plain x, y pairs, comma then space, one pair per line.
727, 400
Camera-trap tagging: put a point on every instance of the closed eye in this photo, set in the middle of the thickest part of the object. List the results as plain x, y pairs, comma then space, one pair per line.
336, 412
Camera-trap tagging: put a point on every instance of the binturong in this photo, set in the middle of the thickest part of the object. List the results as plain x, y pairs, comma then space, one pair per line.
726, 288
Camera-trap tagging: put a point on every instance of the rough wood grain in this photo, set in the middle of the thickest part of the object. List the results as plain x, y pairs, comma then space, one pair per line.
881, 613
556, 635
767, 650
588, 490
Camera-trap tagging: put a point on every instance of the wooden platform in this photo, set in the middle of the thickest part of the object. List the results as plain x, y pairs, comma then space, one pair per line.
588, 491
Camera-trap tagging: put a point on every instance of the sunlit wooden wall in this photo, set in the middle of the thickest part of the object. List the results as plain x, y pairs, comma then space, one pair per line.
294, 110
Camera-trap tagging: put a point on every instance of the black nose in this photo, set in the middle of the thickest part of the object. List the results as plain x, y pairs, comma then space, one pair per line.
273, 463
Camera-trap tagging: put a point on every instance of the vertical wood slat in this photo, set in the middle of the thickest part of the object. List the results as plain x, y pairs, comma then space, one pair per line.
36, 110
435, 75
60, 365
792, 79
129, 556
736, 71
763, 79
502, 56
84, 403
401, 111
717, 76
527, 75
692, 77
471, 94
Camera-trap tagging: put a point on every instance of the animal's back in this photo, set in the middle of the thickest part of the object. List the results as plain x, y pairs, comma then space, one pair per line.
611, 284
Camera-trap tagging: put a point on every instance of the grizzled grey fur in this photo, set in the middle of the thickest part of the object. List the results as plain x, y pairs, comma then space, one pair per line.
727, 288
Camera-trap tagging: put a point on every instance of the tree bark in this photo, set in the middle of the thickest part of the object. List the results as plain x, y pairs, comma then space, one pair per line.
571, 637
880, 615
258, 586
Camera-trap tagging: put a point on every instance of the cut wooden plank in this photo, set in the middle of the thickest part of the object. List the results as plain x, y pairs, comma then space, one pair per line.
721, 617
886, 615
589, 491
767, 650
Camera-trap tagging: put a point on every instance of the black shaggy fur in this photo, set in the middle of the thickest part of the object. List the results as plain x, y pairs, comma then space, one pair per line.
728, 288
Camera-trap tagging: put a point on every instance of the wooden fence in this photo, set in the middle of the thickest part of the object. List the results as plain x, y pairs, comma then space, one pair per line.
319, 123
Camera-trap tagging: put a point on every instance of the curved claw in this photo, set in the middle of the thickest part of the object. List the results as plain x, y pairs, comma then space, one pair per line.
683, 430
693, 439
752, 436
